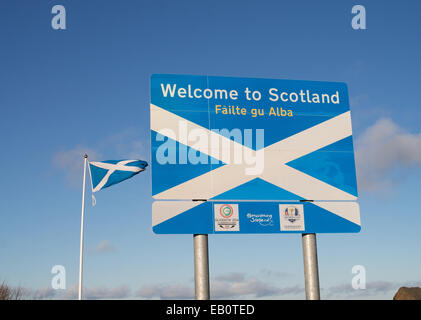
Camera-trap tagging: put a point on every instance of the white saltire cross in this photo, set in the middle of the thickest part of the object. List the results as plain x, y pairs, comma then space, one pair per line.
121, 165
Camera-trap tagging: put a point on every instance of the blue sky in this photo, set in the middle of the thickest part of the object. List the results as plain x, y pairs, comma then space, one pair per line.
86, 89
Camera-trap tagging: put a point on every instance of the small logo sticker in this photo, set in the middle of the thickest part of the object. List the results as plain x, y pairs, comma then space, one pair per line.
226, 211
291, 217
226, 217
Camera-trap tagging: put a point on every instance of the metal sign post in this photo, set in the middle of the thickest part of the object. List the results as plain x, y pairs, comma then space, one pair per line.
201, 266
311, 268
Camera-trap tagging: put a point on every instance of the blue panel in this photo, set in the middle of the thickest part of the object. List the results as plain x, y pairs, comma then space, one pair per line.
260, 189
334, 164
258, 217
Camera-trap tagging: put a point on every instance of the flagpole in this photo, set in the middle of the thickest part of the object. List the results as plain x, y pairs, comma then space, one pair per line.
311, 269
81, 228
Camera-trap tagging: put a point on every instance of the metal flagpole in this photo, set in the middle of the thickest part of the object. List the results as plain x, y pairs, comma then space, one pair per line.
201, 266
311, 269
81, 228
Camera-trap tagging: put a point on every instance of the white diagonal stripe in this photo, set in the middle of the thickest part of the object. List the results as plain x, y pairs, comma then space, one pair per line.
111, 169
208, 185
305, 186
118, 166
165, 210
311, 139
347, 210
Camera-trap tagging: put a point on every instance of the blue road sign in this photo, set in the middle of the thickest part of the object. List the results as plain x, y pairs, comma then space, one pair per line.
230, 139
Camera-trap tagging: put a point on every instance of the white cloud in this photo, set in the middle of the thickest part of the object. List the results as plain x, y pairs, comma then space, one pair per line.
249, 288
42, 294
119, 292
385, 154
95, 293
170, 291
71, 293
103, 247
234, 285
373, 288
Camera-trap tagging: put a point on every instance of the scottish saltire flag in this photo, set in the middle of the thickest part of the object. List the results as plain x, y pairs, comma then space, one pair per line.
106, 173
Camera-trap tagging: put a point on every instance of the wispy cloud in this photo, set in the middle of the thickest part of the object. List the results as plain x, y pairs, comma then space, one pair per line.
120, 292
385, 154
234, 285
166, 291
231, 286
103, 247
373, 288
41, 294
71, 293
71, 163
250, 288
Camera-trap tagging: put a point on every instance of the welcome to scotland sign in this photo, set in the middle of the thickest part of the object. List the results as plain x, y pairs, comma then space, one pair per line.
242, 139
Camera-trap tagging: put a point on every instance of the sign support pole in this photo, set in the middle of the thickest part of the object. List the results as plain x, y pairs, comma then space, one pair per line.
311, 269
201, 266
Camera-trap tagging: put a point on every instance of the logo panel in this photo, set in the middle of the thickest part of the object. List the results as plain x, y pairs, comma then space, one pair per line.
226, 217
291, 217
